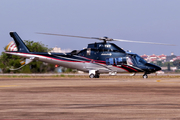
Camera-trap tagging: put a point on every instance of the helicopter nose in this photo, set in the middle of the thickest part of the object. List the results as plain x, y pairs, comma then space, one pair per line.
153, 68
157, 68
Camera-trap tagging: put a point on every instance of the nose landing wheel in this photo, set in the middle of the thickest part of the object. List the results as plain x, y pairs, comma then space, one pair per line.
145, 76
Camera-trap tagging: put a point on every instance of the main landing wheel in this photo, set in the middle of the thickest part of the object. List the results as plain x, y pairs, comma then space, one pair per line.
145, 76
91, 75
94, 74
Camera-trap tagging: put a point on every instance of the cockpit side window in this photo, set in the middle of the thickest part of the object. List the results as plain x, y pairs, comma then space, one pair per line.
129, 61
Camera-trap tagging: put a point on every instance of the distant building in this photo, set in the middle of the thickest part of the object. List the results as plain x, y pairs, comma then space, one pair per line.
172, 53
162, 58
59, 50
176, 58
145, 57
172, 68
56, 50
170, 58
154, 58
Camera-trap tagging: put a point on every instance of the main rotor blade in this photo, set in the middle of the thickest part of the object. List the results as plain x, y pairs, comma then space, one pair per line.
68, 35
105, 39
143, 42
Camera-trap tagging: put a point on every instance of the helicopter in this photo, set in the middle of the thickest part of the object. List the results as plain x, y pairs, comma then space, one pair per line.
97, 58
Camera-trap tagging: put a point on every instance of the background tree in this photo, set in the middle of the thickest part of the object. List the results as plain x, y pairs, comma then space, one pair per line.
159, 63
177, 63
167, 63
9, 61
168, 67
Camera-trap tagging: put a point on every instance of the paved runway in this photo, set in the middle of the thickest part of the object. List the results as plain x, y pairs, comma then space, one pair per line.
76, 98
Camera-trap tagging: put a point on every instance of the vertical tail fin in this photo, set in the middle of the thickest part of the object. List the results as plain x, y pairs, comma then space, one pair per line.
19, 43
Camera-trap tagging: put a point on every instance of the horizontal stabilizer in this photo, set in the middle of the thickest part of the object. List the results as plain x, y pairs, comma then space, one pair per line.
23, 63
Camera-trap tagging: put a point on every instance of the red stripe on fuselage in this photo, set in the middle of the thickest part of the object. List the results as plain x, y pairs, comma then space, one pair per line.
130, 68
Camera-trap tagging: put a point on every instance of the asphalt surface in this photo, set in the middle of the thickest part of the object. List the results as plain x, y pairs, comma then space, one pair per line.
83, 74
83, 98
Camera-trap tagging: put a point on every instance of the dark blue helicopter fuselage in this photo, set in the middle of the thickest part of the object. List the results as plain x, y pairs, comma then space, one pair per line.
109, 52
102, 57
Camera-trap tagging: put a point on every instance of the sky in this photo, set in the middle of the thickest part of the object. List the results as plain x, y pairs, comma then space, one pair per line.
138, 20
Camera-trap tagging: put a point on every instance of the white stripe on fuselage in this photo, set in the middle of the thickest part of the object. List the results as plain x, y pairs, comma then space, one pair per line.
69, 58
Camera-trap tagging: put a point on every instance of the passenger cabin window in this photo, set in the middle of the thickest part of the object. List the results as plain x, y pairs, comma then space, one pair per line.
116, 61
109, 61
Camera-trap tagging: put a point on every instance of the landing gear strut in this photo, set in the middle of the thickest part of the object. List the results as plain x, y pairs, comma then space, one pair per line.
133, 74
94, 74
145, 75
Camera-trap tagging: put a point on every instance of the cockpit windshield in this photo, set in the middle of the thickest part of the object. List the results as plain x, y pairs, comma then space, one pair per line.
139, 60
132, 59
136, 59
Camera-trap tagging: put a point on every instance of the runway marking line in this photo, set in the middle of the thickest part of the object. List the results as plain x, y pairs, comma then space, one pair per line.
158, 80
165, 81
